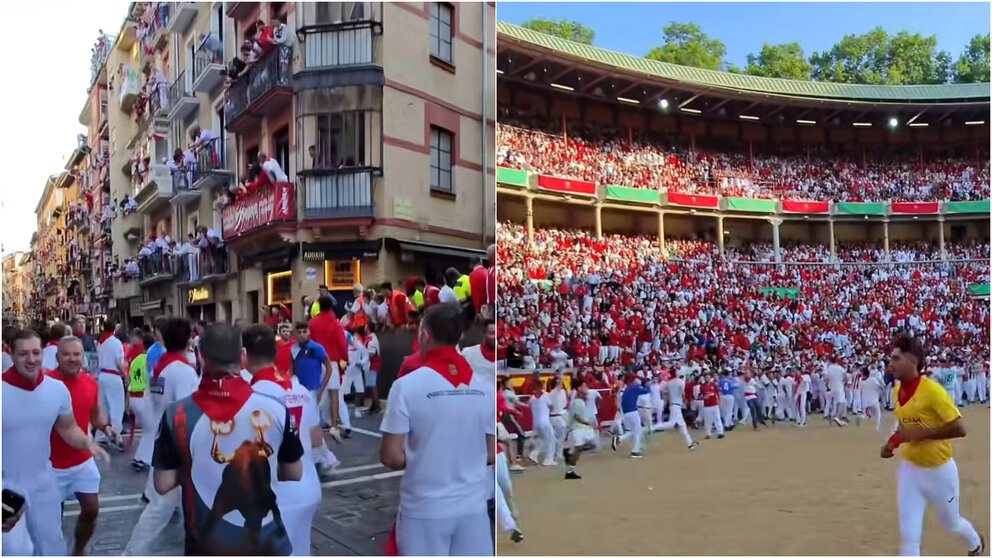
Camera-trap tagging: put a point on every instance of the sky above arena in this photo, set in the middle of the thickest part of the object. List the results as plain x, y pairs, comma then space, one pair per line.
49, 75
634, 28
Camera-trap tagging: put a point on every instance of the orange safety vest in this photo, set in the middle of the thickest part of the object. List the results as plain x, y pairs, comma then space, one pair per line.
398, 308
360, 319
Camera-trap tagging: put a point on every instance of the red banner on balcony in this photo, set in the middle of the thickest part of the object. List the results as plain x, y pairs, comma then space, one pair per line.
793, 206
567, 185
915, 207
266, 205
694, 200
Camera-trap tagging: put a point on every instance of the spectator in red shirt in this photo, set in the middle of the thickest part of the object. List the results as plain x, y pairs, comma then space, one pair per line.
327, 331
711, 406
477, 282
284, 348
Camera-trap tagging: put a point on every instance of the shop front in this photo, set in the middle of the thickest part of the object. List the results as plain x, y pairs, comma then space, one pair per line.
201, 304
339, 265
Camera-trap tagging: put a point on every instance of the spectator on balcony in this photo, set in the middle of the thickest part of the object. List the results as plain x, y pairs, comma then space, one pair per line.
318, 160
187, 251
238, 66
271, 173
281, 35
211, 44
205, 139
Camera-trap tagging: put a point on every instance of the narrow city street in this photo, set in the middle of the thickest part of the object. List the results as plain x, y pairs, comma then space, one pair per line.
357, 511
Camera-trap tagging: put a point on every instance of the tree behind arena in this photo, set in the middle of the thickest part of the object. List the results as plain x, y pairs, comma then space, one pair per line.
878, 58
973, 65
563, 29
779, 61
687, 45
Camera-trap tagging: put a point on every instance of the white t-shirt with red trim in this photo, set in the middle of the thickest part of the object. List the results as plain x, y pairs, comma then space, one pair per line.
48, 360
27, 421
109, 353
481, 366
303, 412
445, 428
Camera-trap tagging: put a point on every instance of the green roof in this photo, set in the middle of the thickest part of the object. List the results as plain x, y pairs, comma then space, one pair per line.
972, 92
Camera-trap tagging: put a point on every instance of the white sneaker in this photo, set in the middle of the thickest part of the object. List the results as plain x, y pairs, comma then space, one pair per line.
358, 412
336, 434
549, 463
532, 456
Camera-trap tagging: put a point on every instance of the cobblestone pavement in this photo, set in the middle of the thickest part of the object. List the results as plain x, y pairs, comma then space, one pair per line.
357, 511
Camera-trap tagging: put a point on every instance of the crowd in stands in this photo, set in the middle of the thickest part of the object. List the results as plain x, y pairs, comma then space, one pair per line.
598, 154
572, 299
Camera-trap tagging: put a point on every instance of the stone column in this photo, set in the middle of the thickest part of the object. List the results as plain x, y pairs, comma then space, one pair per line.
833, 242
599, 221
530, 221
943, 252
719, 233
661, 233
885, 228
776, 223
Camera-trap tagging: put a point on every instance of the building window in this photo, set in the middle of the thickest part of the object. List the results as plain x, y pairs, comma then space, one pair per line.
441, 16
280, 148
441, 142
340, 141
251, 163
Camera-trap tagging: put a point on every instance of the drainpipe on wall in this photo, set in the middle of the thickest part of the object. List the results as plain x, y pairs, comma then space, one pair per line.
485, 125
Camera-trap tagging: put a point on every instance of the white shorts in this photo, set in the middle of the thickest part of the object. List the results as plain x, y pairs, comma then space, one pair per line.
502, 434
83, 478
578, 437
334, 382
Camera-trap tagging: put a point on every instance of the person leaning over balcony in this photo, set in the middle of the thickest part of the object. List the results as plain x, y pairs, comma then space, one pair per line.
280, 32
205, 139
271, 173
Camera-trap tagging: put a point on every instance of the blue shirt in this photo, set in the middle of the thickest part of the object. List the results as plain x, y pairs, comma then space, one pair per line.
726, 386
628, 401
308, 362
946, 378
155, 352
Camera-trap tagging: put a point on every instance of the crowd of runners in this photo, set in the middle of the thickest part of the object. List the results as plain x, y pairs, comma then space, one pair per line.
240, 418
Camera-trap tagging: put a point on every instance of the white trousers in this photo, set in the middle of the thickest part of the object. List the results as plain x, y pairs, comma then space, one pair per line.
801, 409
558, 427
112, 398
727, 410
40, 528
937, 486
711, 419
468, 535
154, 518
504, 518
546, 435
299, 522
658, 408
142, 409
675, 418
632, 425
873, 410
352, 378
503, 480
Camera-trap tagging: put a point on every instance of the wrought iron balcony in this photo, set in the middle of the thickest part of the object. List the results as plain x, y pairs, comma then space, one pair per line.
182, 101
338, 45
268, 89
183, 14
338, 194
208, 69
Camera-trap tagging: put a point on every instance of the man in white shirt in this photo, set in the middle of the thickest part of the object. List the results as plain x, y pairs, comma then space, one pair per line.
834, 376
172, 379
440, 426
871, 388
114, 375
298, 500
482, 357
272, 168
35, 406
676, 390
559, 359
48, 360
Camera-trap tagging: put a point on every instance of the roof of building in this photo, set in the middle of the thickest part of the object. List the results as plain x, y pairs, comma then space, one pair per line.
973, 92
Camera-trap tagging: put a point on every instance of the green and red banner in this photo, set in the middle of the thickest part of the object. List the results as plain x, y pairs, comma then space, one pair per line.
796, 206
751, 204
980, 289
861, 208
511, 177
567, 185
634, 195
694, 200
915, 207
980, 206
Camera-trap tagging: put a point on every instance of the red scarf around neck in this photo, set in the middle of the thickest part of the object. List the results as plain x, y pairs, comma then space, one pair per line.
488, 352
270, 374
450, 365
907, 388
221, 398
14, 378
105, 336
52, 344
167, 359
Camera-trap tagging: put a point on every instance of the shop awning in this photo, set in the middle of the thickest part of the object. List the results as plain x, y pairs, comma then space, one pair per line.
440, 250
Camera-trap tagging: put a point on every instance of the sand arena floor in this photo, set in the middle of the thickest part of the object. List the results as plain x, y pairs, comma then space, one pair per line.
821, 490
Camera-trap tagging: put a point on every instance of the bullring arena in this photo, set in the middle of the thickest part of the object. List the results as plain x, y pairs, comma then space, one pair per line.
640, 233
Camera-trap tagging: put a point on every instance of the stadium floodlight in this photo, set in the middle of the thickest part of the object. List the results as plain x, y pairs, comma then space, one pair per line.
690, 111
863, 124
974, 123
805, 121
663, 103
918, 125
626, 100
562, 87
893, 122
749, 117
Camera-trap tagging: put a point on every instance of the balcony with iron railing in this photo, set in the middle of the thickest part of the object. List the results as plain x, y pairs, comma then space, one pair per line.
338, 194
183, 14
182, 101
338, 45
152, 188
266, 89
208, 69
211, 168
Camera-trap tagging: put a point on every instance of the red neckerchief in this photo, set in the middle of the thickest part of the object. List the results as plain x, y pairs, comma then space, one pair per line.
272, 375
52, 344
105, 336
489, 353
222, 398
14, 378
449, 364
907, 388
167, 359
